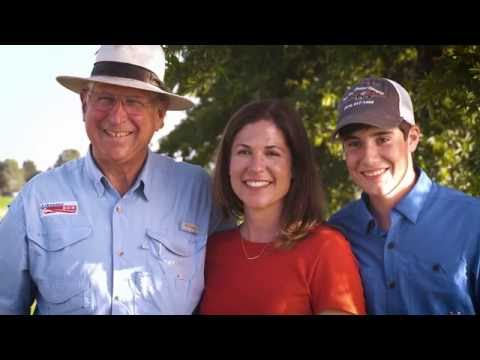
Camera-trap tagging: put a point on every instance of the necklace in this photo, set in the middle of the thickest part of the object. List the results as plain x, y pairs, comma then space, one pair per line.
242, 241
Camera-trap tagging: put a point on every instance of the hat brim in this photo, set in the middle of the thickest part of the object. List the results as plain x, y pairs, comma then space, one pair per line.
78, 84
379, 120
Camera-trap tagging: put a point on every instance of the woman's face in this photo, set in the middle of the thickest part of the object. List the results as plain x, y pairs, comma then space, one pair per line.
260, 167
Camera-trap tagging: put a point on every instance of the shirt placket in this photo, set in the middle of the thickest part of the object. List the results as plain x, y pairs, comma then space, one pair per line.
391, 265
122, 295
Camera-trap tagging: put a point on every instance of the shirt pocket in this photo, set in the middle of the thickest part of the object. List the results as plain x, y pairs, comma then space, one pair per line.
177, 251
66, 297
438, 287
57, 239
59, 272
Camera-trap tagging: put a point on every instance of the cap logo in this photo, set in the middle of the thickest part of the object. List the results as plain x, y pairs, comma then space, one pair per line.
362, 95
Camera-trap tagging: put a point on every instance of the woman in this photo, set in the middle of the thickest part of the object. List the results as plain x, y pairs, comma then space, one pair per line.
281, 259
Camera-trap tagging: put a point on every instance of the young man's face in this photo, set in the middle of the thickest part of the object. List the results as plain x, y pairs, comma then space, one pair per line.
379, 160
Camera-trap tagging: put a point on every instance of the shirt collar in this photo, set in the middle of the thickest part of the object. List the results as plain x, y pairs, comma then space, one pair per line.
409, 206
142, 183
412, 204
94, 173
365, 218
144, 179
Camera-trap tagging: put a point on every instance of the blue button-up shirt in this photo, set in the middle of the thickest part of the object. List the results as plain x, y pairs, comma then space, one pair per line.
73, 243
428, 261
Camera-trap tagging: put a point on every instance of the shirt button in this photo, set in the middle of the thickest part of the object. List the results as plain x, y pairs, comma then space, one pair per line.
116, 298
391, 246
391, 285
120, 253
436, 267
118, 209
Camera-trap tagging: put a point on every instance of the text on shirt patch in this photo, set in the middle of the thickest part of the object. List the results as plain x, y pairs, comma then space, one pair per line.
59, 208
191, 228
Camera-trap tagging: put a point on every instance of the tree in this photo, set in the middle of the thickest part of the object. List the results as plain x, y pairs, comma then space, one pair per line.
11, 177
29, 170
3, 178
67, 155
444, 82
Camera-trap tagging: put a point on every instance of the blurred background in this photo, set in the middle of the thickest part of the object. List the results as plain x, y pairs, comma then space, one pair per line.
42, 125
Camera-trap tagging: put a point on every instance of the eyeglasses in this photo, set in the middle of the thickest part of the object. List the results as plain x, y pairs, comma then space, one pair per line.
105, 102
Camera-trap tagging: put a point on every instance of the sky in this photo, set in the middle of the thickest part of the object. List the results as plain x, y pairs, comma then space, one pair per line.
39, 118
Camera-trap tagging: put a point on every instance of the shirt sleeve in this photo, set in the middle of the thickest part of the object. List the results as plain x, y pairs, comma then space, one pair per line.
476, 281
336, 283
16, 293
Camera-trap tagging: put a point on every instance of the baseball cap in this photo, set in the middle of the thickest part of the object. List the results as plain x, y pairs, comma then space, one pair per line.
378, 102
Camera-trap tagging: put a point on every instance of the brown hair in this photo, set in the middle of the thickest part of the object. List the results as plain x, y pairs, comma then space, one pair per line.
303, 205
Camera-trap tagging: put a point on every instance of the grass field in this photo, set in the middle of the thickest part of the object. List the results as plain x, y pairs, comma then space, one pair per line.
4, 201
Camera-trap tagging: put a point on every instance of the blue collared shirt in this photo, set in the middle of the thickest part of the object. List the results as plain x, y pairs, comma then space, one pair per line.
428, 261
73, 243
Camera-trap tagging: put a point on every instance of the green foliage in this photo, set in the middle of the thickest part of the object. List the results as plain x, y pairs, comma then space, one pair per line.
11, 177
4, 201
33, 307
29, 170
444, 82
67, 155
3, 178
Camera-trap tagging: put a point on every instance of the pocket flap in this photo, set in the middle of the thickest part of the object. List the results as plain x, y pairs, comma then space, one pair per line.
61, 290
59, 238
181, 243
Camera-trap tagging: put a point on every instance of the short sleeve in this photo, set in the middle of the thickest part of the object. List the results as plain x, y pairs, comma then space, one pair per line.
336, 283
15, 287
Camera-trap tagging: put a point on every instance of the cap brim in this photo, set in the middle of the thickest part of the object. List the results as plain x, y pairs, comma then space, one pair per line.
78, 84
379, 120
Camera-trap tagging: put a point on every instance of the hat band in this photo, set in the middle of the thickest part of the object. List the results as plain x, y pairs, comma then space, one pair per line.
112, 68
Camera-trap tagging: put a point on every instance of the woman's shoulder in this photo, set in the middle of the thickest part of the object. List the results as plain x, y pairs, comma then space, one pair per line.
325, 229
326, 236
222, 243
224, 235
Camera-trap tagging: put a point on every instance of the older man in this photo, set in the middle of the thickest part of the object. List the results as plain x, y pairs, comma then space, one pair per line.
122, 230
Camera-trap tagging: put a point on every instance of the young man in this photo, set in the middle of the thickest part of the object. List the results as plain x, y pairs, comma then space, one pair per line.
417, 243
122, 230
